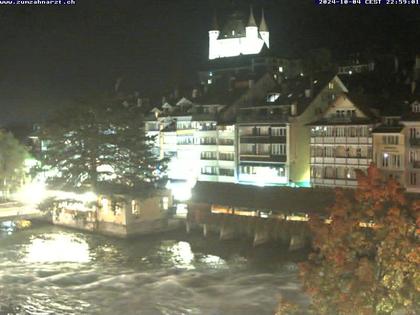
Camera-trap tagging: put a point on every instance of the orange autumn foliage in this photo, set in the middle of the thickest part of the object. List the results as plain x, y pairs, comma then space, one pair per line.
360, 270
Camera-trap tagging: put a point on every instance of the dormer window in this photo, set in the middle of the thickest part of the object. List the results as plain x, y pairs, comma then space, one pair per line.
415, 107
272, 97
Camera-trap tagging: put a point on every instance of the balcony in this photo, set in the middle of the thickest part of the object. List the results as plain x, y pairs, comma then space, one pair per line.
262, 158
415, 142
251, 117
341, 140
262, 139
225, 142
415, 164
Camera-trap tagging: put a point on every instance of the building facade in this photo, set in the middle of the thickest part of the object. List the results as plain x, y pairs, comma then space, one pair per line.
411, 122
341, 143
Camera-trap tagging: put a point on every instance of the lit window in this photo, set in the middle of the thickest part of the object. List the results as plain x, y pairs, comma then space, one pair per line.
165, 203
209, 81
272, 97
105, 204
330, 85
135, 209
281, 69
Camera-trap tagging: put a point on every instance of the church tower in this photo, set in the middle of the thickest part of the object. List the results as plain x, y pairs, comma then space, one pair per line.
264, 33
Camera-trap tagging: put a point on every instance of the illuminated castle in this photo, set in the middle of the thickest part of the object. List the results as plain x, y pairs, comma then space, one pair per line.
236, 39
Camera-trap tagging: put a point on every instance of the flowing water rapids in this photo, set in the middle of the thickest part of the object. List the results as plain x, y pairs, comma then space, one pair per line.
50, 270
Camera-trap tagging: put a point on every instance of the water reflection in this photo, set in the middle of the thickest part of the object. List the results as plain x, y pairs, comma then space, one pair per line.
181, 255
59, 247
48, 270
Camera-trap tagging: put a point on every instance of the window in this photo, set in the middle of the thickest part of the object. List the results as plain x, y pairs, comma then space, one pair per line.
208, 141
278, 131
260, 131
225, 141
415, 107
135, 208
272, 97
248, 170
117, 207
391, 160
209, 155
278, 149
226, 172
413, 133
263, 149
165, 203
413, 179
330, 85
248, 149
390, 139
209, 170
385, 160
226, 156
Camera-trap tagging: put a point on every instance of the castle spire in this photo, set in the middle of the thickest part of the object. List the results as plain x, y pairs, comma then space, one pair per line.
214, 23
263, 24
251, 21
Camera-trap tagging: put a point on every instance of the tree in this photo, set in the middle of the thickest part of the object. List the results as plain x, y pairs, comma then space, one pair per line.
101, 142
367, 261
12, 163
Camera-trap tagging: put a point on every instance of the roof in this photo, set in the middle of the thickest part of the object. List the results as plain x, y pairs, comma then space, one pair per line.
251, 20
263, 24
276, 199
236, 23
293, 91
360, 102
388, 129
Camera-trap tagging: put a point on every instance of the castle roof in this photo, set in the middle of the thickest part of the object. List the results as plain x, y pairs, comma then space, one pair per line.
263, 24
234, 26
251, 20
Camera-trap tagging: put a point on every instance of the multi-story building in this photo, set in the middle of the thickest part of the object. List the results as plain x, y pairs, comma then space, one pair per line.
341, 143
389, 148
411, 121
273, 136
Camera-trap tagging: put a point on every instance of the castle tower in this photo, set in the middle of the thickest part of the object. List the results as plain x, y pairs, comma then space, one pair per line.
264, 33
214, 33
251, 29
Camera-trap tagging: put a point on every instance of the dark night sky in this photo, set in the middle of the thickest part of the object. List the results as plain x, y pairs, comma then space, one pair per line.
51, 56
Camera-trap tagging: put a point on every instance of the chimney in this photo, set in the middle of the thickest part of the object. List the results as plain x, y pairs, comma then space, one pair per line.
194, 93
293, 109
396, 64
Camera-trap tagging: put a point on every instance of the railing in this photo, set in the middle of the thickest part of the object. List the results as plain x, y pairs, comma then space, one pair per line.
415, 164
208, 158
415, 142
225, 142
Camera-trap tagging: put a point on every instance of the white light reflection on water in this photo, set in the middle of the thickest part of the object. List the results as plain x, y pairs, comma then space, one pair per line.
58, 247
182, 255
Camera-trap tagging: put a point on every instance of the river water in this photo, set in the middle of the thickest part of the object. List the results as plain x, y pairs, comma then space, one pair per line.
50, 270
